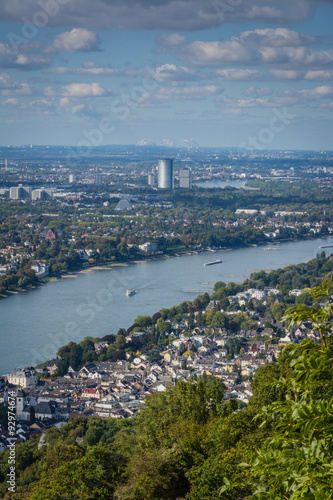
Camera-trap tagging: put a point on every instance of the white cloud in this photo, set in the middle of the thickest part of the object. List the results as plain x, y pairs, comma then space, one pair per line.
23, 89
164, 94
83, 90
88, 68
77, 90
284, 52
173, 40
287, 74
6, 82
173, 73
166, 14
215, 53
77, 108
323, 92
279, 37
258, 92
237, 74
281, 98
76, 40
29, 57
39, 106
12, 101
319, 75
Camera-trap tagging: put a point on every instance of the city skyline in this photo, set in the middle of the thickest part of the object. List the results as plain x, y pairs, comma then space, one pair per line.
231, 73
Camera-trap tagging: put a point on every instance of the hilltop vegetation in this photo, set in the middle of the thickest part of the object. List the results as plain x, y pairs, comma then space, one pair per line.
190, 443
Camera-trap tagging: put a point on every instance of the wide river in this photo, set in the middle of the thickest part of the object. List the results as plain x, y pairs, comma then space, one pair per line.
35, 324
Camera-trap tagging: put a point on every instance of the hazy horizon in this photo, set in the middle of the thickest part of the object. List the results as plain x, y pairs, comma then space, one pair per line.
227, 73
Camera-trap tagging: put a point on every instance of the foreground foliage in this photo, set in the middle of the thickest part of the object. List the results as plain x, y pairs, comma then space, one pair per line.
188, 443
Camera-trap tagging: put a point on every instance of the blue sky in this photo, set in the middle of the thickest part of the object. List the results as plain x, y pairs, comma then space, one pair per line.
174, 72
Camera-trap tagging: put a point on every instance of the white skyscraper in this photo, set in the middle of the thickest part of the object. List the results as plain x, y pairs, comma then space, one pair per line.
165, 173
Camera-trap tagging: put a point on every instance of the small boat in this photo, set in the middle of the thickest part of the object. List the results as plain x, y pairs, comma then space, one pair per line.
130, 292
271, 248
212, 263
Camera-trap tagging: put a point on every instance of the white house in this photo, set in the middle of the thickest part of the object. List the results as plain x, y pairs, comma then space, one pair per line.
27, 379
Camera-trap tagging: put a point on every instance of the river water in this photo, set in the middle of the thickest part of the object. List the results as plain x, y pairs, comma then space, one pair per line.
35, 324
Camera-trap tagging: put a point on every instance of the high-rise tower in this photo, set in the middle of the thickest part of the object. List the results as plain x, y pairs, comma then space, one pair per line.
165, 173
185, 178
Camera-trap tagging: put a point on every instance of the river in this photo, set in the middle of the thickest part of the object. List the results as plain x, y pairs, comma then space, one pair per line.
35, 324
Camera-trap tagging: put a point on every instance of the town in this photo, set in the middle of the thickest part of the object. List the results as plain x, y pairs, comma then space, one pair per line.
228, 335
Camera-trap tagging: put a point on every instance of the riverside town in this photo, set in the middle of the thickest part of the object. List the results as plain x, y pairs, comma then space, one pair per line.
166, 250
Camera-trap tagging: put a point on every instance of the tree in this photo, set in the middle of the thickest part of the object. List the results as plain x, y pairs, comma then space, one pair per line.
154, 356
62, 367
163, 327
296, 460
219, 320
88, 477
120, 342
143, 321
76, 356
319, 316
155, 317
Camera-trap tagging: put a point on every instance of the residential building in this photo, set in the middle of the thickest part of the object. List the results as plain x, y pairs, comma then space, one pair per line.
26, 378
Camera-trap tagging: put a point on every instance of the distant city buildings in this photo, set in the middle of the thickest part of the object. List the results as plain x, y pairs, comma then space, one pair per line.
151, 179
185, 178
98, 180
165, 173
72, 179
41, 194
123, 205
19, 192
26, 192
149, 247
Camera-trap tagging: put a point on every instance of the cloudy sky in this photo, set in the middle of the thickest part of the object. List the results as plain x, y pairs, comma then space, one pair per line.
255, 73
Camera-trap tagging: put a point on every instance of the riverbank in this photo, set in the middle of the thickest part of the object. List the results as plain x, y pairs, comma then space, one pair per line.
35, 325
93, 267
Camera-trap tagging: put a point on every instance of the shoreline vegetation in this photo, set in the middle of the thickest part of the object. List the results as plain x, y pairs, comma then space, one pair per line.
301, 275
69, 238
93, 267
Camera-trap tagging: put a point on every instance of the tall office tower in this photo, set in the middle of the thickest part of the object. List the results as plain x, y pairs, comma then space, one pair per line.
185, 178
98, 179
165, 173
72, 178
151, 180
